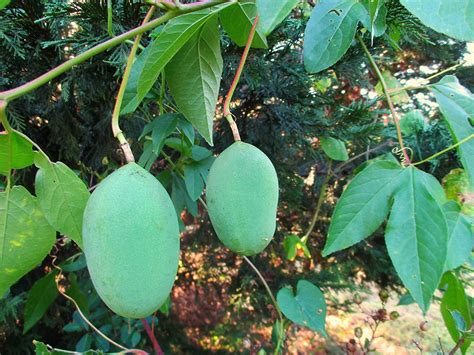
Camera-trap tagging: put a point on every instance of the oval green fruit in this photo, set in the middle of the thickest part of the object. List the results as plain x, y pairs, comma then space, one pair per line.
242, 198
131, 242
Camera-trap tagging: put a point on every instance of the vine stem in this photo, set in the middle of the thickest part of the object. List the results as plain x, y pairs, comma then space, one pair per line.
355, 157
233, 86
274, 301
3, 117
388, 98
322, 195
118, 102
89, 323
462, 141
9, 129
434, 76
154, 341
110, 27
26, 88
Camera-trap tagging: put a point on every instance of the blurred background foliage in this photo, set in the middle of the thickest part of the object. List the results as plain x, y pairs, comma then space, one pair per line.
217, 304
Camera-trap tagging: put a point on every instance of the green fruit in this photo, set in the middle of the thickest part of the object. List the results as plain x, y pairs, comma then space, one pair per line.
131, 242
242, 197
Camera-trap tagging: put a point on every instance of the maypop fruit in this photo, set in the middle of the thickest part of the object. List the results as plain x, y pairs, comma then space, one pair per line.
131, 242
242, 198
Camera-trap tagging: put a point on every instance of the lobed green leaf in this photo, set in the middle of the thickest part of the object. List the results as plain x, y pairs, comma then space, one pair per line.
40, 297
454, 18
363, 206
197, 69
237, 22
273, 12
152, 61
306, 308
25, 235
461, 238
334, 148
457, 106
15, 152
417, 235
62, 196
329, 32
455, 300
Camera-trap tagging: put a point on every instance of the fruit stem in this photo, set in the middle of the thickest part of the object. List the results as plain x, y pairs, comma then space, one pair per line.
388, 98
233, 86
118, 102
275, 303
233, 127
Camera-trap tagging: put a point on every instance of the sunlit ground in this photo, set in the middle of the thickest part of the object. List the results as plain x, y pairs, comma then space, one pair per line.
393, 337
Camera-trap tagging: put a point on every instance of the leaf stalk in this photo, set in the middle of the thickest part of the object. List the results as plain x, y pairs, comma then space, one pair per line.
388, 98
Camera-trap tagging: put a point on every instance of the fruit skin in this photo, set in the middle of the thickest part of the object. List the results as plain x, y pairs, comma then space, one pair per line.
242, 198
131, 242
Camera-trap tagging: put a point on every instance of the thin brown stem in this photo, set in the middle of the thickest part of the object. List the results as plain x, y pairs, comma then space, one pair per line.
233, 128
396, 119
233, 86
457, 346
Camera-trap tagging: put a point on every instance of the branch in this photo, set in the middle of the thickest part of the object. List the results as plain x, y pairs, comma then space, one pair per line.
26, 88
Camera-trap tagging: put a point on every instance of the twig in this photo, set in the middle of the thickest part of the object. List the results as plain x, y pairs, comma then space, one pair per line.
395, 117
118, 102
154, 341
440, 346
355, 157
418, 345
238, 73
